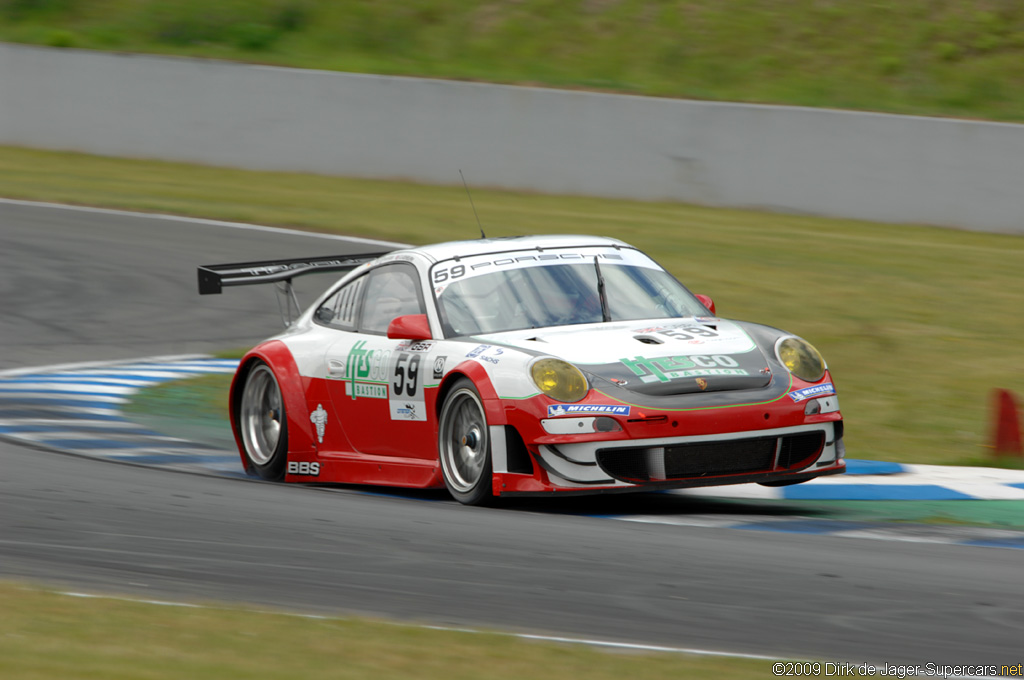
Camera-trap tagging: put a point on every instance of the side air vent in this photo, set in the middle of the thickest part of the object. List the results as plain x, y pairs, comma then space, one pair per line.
517, 458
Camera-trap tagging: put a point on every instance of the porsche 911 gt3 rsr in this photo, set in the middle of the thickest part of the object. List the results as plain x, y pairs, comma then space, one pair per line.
527, 365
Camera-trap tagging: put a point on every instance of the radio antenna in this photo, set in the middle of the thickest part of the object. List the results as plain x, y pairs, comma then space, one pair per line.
482, 234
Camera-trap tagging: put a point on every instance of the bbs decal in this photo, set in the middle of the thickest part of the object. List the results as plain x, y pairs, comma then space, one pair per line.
303, 468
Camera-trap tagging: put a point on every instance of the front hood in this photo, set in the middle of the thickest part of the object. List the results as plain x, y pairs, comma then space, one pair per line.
660, 357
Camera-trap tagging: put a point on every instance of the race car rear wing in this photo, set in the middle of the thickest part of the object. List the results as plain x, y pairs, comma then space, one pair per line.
214, 277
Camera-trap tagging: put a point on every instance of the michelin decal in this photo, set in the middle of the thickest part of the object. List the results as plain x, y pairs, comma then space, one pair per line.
556, 410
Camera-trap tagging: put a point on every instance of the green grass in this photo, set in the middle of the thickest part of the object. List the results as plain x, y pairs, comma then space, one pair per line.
46, 635
932, 57
918, 324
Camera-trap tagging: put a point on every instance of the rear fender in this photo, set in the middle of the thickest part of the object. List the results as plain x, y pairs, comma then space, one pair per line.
276, 354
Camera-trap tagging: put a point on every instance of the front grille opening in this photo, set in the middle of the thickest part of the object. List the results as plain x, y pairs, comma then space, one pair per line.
703, 459
720, 458
712, 459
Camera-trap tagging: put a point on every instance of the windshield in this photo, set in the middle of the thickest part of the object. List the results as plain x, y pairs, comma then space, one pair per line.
527, 293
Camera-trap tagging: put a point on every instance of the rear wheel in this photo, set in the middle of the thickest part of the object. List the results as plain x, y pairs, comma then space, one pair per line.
263, 424
464, 445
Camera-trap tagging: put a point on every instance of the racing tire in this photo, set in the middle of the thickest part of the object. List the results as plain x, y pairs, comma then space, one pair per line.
263, 424
464, 445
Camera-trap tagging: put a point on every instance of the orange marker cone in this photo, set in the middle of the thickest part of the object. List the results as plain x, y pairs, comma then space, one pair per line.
1006, 428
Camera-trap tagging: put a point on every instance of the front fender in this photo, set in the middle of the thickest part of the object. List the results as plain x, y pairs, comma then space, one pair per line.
482, 381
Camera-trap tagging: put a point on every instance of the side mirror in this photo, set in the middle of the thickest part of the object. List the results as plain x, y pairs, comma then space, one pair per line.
708, 302
410, 327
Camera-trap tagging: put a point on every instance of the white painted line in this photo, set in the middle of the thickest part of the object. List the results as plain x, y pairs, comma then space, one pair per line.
702, 522
198, 220
159, 603
610, 644
588, 642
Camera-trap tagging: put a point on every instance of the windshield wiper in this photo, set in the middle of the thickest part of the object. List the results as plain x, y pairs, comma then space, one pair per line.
605, 314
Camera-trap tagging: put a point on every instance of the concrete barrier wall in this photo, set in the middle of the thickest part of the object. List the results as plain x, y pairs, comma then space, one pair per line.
870, 166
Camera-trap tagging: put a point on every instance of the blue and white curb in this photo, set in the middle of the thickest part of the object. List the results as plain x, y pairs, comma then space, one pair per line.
878, 531
76, 408
867, 480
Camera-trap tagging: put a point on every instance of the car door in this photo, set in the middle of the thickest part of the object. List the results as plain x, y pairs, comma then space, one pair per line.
375, 383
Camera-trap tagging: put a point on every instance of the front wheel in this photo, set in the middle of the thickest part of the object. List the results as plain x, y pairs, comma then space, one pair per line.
464, 445
262, 421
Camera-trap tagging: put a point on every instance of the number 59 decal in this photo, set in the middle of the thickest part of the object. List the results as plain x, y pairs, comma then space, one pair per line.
406, 401
407, 373
456, 272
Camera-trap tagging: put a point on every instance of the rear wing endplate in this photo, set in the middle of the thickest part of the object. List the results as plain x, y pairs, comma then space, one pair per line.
213, 278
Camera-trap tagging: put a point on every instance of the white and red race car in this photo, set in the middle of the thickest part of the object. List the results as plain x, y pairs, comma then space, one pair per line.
526, 365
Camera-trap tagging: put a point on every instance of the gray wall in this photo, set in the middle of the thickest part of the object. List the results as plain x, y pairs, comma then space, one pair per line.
870, 166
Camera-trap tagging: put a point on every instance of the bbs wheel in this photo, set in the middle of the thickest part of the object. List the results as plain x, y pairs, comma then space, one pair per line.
263, 425
464, 445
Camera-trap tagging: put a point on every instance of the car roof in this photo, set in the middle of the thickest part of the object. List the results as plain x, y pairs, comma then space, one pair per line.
450, 249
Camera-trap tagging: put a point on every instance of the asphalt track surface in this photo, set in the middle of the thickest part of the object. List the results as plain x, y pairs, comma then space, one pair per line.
81, 286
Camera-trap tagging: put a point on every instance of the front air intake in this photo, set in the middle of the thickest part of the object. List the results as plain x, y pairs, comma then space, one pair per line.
800, 450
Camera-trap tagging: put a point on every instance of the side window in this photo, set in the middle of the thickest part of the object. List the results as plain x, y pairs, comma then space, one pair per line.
391, 291
341, 310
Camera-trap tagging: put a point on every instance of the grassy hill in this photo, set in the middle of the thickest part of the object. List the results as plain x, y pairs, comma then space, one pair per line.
933, 57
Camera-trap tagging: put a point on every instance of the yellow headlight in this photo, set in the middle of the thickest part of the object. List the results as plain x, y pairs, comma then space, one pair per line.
801, 359
559, 379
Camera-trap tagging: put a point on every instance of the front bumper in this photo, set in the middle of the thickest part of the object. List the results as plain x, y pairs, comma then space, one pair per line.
774, 456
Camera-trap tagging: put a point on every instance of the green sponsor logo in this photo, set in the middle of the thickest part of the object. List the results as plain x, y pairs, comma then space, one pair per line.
664, 369
370, 390
366, 364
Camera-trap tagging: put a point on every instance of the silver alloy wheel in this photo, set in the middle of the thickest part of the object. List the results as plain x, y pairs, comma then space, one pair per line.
464, 440
261, 415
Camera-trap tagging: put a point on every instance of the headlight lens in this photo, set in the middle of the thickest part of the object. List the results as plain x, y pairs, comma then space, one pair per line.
559, 379
801, 359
